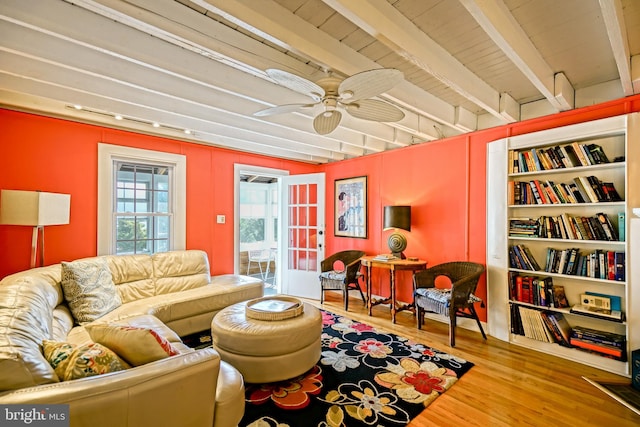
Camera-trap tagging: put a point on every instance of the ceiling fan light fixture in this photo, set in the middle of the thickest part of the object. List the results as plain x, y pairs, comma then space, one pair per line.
331, 92
347, 94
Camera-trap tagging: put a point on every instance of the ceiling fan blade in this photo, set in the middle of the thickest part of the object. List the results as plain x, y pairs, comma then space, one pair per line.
369, 83
326, 122
372, 109
281, 109
297, 83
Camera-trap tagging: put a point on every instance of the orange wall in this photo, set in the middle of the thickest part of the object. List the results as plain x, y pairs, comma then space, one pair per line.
39, 153
444, 181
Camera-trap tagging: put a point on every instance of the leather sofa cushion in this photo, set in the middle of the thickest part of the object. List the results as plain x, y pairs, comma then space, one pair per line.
28, 299
133, 276
180, 270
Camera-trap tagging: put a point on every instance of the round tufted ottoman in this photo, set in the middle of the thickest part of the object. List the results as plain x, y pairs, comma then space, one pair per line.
267, 350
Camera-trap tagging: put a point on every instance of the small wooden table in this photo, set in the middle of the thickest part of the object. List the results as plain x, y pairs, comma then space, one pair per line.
393, 265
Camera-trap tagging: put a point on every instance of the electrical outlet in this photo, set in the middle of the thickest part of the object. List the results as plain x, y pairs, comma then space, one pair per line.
220, 219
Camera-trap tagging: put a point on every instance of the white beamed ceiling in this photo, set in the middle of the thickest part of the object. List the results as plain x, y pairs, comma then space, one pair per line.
199, 65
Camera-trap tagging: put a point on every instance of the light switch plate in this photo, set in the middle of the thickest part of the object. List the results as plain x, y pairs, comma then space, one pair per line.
220, 219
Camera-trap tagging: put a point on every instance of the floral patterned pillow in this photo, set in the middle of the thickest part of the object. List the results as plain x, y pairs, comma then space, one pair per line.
71, 361
89, 289
135, 345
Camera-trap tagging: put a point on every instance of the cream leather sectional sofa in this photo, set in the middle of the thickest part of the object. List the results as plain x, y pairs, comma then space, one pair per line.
171, 293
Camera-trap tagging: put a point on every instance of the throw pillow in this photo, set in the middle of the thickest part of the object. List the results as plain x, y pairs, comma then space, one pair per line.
89, 289
71, 362
135, 345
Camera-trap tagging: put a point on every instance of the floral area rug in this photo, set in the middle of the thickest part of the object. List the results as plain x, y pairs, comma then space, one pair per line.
364, 377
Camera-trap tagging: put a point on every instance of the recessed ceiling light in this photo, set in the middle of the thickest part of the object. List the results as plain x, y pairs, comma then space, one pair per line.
118, 117
77, 107
156, 124
187, 131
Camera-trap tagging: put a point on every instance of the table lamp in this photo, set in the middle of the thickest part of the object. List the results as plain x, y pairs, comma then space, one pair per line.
36, 209
397, 217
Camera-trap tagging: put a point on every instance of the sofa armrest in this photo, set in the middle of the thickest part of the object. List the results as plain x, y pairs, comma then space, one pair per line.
179, 390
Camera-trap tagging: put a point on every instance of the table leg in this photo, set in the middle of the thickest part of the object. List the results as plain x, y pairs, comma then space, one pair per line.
369, 301
393, 296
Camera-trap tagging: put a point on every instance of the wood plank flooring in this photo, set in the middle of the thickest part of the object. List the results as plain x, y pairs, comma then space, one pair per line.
508, 386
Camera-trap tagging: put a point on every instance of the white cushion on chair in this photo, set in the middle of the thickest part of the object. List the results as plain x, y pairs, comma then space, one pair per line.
437, 300
333, 279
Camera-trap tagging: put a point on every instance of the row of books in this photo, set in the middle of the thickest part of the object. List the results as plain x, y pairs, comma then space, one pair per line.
561, 156
599, 264
583, 189
565, 226
520, 257
536, 290
606, 344
552, 327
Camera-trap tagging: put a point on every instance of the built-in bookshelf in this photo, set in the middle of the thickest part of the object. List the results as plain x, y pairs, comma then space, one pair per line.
559, 249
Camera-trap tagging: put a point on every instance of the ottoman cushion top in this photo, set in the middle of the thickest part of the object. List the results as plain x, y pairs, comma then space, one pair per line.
232, 331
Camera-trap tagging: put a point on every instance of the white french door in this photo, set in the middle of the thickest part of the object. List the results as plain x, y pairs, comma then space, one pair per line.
301, 245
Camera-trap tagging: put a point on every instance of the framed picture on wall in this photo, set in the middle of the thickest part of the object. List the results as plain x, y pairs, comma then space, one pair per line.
350, 207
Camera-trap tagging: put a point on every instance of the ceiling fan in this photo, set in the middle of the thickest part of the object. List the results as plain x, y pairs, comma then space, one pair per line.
351, 94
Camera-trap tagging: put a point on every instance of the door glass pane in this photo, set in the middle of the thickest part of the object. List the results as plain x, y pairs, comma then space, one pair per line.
302, 261
302, 216
303, 194
312, 217
293, 241
313, 238
302, 238
313, 194
313, 260
293, 216
293, 265
293, 194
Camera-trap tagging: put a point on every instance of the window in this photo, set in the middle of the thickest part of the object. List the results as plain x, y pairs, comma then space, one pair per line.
142, 217
141, 201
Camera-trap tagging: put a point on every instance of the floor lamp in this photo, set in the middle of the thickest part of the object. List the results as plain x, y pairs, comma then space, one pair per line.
36, 209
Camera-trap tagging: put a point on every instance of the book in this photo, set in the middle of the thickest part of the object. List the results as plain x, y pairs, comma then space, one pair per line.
559, 297
603, 337
620, 266
614, 352
385, 257
560, 322
615, 316
273, 305
621, 226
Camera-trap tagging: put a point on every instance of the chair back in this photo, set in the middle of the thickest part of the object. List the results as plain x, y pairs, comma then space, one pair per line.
350, 259
464, 276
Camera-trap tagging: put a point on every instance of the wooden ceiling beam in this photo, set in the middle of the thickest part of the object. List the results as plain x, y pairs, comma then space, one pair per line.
617, 32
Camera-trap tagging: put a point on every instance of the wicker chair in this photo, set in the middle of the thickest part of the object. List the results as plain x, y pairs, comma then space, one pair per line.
456, 302
345, 278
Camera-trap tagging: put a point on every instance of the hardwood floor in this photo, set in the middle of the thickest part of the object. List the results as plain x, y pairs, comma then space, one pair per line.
508, 386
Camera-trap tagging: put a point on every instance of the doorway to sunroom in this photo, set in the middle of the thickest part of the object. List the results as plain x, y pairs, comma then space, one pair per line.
257, 207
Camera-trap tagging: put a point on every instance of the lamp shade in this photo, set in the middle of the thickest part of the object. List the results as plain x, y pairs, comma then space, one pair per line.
397, 217
34, 208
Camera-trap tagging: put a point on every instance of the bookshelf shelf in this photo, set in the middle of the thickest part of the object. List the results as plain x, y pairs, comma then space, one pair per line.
587, 257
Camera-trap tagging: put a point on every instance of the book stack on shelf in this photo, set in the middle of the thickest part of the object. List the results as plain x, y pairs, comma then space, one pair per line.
566, 226
540, 325
583, 189
521, 258
558, 157
539, 291
606, 344
598, 264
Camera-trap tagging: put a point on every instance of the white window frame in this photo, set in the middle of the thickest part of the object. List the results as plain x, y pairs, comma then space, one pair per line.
107, 155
